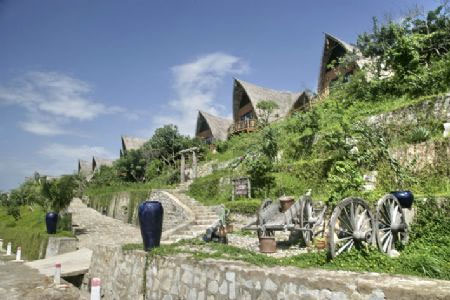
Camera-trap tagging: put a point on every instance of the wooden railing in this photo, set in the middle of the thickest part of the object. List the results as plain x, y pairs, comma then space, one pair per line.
245, 125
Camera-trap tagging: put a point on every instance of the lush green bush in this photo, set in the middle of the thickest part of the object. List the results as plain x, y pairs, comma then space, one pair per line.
244, 206
58, 193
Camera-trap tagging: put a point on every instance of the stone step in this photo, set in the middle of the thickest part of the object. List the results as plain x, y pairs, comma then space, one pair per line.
206, 215
204, 222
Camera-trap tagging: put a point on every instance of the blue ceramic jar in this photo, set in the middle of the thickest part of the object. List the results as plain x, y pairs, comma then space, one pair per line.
406, 198
51, 220
150, 220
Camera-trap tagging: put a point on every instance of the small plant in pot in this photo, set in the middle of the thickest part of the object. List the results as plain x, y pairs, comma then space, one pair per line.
320, 242
228, 221
57, 195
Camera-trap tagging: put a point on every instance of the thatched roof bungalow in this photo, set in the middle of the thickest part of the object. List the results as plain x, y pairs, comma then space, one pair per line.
131, 143
246, 97
84, 168
333, 50
98, 162
211, 128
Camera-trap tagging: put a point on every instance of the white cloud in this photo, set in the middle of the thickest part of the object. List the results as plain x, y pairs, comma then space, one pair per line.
42, 128
54, 96
61, 152
195, 84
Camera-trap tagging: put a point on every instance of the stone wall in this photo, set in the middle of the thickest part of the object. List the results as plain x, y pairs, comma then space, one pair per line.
420, 156
120, 203
434, 109
130, 275
209, 167
60, 245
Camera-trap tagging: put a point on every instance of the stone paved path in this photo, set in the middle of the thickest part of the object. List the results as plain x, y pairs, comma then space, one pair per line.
97, 229
18, 281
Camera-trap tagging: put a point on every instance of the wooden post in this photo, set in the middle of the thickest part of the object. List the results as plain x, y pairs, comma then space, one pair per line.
233, 189
249, 188
194, 165
182, 179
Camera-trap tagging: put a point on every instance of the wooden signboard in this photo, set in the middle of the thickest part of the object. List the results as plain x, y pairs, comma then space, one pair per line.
241, 187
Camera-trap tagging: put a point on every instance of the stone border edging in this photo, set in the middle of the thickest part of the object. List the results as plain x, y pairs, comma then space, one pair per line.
188, 211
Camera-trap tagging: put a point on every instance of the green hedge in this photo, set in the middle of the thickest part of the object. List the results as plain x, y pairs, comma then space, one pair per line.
247, 206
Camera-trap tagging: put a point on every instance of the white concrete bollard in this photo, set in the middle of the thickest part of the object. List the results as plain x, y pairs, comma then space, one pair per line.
19, 255
95, 288
1, 245
8, 249
57, 277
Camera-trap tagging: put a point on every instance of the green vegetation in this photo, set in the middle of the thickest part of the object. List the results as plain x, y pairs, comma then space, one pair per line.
427, 254
331, 146
28, 232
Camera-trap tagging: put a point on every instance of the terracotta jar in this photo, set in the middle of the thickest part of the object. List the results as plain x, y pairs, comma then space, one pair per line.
286, 202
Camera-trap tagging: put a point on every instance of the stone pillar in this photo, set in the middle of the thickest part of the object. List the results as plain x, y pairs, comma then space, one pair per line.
182, 179
194, 165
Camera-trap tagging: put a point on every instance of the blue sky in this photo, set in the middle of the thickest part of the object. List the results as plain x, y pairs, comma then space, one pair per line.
76, 75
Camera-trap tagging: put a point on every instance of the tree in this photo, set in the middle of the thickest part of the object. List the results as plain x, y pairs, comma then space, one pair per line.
131, 167
266, 109
415, 52
59, 192
261, 163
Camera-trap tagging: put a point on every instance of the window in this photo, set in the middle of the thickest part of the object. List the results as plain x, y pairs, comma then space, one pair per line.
247, 116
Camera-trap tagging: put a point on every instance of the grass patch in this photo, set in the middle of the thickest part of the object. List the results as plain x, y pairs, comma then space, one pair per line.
29, 232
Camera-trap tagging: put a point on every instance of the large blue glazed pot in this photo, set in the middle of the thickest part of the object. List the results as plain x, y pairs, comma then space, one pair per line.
150, 220
406, 198
51, 220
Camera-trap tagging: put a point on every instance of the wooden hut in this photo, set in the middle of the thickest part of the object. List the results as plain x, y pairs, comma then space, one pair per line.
98, 162
211, 128
246, 96
131, 143
84, 168
333, 50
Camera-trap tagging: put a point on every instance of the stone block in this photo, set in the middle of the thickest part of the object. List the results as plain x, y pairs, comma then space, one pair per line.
60, 245
446, 129
270, 286
223, 289
213, 287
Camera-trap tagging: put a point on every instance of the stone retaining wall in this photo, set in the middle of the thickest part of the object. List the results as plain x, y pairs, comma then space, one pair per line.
131, 275
420, 156
119, 205
434, 109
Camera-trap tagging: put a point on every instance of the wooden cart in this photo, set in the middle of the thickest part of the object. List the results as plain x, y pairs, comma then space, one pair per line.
352, 223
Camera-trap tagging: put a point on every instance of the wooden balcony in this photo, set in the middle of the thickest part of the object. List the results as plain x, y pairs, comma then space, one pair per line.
243, 126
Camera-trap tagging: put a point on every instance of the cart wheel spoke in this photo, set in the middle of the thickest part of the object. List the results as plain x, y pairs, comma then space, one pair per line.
351, 223
391, 225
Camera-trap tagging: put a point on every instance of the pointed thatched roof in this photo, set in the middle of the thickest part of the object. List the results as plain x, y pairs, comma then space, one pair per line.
334, 46
84, 167
218, 126
97, 162
303, 102
131, 143
256, 94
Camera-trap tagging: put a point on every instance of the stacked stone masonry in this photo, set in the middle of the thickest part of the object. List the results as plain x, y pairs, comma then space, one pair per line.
127, 275
174, 214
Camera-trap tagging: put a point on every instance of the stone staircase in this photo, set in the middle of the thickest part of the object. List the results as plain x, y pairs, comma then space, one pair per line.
203, 217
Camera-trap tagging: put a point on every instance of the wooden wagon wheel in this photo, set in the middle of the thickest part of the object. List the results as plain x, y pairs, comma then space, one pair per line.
390, 223
260, 221
309, 219
351, 224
